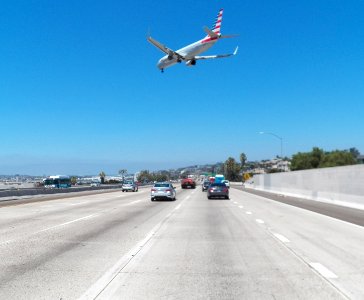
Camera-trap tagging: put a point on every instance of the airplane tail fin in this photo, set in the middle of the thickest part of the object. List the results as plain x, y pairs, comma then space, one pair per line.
217, 25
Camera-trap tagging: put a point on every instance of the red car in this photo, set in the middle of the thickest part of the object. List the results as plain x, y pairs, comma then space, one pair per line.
188, 183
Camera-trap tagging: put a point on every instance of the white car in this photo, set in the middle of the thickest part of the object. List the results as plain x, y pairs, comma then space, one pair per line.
129, 186
163, 190
227, 183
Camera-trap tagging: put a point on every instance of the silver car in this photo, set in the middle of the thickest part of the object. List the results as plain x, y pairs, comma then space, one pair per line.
129, 186
163, 190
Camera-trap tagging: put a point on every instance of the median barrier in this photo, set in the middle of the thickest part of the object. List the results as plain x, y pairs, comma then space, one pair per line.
338, 185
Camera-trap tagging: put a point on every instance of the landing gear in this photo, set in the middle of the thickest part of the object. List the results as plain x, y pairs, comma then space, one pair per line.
162, 70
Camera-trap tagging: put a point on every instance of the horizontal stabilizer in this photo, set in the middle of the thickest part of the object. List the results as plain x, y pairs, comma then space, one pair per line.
210, 33
228, 36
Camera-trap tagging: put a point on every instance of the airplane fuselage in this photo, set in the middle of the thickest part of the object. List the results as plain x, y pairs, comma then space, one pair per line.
188, 53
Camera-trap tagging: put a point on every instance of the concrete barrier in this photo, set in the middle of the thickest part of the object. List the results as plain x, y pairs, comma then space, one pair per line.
44, 191
339, 185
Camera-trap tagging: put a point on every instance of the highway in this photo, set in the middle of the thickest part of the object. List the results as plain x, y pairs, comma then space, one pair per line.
123, 246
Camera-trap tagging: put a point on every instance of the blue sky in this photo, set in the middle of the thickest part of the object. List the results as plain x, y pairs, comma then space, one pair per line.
80, 91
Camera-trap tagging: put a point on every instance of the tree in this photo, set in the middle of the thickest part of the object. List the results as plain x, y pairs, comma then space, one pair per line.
144, 176
317, 158
73, 180
102, 177
231, 169
123, 172
354, 152
242, 160
337, 158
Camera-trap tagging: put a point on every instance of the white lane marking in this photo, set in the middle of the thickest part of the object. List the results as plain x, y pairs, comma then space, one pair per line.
240, 206
131, 203
79, 203
235, 202
248, 212
259, 221
188, 197
99, 286
325, 272
178, 206
67, 223
281, 237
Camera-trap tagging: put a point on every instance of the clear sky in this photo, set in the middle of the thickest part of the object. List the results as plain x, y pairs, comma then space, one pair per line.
80, 91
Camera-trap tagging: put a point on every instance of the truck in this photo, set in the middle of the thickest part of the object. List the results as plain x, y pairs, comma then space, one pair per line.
219, 178
188, 182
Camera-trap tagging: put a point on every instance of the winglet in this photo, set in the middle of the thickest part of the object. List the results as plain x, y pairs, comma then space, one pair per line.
236, 50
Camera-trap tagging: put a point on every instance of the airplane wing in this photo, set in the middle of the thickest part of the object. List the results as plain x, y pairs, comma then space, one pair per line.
216, 56
164, 48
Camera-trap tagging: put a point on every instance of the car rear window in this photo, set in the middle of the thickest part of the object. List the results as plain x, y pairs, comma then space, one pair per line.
218, 184
161, 185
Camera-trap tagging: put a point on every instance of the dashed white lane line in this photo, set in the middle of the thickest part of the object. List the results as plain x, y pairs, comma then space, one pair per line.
240, 206
259, 221
282, 238
67, 223
131, 203
248, 212
235, 202
322, 270
79, 203
178, 206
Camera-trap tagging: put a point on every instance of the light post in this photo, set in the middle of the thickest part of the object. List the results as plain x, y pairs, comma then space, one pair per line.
278, 137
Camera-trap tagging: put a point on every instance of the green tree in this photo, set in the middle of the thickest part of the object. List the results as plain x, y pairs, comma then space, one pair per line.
73, 180
337, 158
123, 172
317, 158
354, 152
102, 177
145, 176
243, 159
231, 169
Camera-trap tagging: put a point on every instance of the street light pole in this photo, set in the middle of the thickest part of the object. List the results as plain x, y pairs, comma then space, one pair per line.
278, 137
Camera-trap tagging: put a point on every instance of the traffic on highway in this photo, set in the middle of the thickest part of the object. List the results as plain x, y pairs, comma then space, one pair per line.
119, 245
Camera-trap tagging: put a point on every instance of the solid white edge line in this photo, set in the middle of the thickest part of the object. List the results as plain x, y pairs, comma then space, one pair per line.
325, 272
282, 238
178, 206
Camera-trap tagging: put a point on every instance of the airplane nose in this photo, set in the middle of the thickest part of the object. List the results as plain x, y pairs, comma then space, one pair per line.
160, 64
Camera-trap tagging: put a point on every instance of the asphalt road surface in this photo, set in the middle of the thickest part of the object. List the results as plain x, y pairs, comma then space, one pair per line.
123, 246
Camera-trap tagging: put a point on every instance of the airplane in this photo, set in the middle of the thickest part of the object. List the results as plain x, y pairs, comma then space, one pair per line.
189, 54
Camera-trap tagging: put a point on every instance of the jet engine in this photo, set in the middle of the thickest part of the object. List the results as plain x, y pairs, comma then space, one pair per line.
191, 62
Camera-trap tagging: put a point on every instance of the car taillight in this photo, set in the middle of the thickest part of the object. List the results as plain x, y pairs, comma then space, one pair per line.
154, 190
168, 190
225, 190
211, 190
